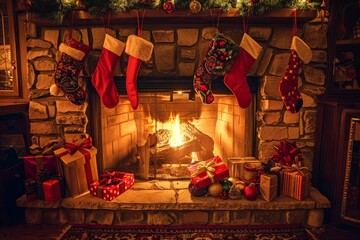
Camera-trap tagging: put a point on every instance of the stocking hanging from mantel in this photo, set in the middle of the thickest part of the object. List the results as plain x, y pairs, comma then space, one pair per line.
139, 50
103, 76
300, 53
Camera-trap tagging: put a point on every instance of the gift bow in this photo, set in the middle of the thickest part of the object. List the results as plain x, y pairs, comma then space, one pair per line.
82, 143
208, 167
287, 153
109, 178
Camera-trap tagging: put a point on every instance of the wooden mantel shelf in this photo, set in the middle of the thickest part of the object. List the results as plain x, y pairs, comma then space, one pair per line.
158, 16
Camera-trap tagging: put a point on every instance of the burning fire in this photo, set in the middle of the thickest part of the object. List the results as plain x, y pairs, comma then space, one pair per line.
176, 137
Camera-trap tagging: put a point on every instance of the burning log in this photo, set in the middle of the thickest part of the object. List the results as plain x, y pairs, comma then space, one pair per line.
205, 141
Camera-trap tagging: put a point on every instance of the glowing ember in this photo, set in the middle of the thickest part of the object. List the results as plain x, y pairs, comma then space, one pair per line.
176, 137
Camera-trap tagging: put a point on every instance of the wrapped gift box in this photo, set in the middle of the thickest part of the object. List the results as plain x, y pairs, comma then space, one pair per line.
206, 172
35, 164
79, 166
109, 188
236, 165
268, 186
52, 190
296, 184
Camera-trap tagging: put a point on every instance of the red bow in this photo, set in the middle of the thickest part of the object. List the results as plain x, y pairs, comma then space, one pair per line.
287, 153
82, 143
109, 178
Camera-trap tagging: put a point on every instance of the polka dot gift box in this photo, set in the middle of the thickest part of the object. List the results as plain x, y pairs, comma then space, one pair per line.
112, 184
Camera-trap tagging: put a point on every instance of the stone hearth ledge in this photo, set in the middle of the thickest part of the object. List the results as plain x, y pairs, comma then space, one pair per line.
165, 195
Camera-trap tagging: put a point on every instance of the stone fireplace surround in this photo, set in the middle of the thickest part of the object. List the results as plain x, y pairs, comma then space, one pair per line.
168, 202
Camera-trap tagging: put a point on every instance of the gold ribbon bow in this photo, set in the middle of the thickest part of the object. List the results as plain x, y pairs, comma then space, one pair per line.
297, 167
208, 167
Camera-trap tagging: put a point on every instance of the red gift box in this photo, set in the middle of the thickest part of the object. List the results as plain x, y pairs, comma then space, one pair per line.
52, 190
112, 184
296, 184
35, 164
206, 172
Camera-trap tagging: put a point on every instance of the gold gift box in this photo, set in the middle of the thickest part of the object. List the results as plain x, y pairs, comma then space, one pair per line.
236, 165
268, 186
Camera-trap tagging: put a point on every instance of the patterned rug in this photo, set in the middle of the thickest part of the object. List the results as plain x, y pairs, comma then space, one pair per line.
269, 232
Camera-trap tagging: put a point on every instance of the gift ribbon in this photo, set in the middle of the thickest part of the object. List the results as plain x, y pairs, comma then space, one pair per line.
208, 167
287, 153
109, 178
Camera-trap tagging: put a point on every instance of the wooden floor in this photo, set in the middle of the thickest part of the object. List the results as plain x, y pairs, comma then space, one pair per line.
50, 232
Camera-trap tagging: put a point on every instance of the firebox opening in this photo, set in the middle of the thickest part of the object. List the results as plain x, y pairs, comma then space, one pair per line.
142, 141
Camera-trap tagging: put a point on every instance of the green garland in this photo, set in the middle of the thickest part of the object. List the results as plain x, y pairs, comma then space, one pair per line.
58, 9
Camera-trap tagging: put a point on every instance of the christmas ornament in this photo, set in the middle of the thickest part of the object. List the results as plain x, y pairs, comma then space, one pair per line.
233, 180
24, 4
223, 195
241, 185
168, 6
68, 68
251, 192
197, 192
226, 185
289, 91
103, 76
195, 6
236, 78
215, 189
80, 5
235, 192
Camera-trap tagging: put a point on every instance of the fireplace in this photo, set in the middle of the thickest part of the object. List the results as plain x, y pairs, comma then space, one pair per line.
143, 141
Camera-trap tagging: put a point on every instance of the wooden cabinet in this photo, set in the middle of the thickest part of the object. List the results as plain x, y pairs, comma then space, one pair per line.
337, 108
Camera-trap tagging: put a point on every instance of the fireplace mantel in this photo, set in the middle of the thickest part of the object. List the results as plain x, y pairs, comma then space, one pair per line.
153, 16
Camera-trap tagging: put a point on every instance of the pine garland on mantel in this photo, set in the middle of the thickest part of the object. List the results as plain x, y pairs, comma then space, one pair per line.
58, 9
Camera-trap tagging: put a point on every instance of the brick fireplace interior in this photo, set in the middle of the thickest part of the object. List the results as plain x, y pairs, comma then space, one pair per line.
124, 136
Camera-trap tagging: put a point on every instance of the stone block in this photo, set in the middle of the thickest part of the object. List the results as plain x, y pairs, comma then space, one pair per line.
165, 57
188, 53
146, 35
34, 42
186, 69
290, 117
315, 35
308, 101
194, 217
130, 217
313, 89
208, 33
260, 33
39, 93
37, 111
74, 33
98, 36
125, 32
74, 129
241, 217
30, 29
44, 140
163, 36
43, 127
281, 38
294, 216
270, 87
310, 121
44, 64
67, 106
37, 52
50, 216
161, 218
33, 215
51, 110
315, 218
71, 118
271, 105
70, 137
256, 64
44, 81
293, 132
266, 217
273, 133
31, 75
271, 118
187, 37
264, 63
71, 216
52, 35
319, 56
308, 156
279, 64
314, 75
234, 34
221, 217
100, 217
266, 150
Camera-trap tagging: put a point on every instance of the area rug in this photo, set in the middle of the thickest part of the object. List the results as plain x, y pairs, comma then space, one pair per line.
191, 232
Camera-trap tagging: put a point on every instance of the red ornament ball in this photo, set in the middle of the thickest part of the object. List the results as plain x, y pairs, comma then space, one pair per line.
197, 192
168, 7
251, 192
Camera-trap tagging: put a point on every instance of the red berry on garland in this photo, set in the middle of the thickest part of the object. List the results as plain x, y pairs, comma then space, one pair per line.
168, 6
223, 195
251, 192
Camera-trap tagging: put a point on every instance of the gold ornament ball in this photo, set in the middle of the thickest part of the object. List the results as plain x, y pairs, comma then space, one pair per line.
241, 185
233, 180
195, 6
215, 189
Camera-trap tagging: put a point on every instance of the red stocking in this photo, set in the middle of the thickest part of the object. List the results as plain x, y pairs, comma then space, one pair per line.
103, 78
288, 87
236, 78
139, 50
